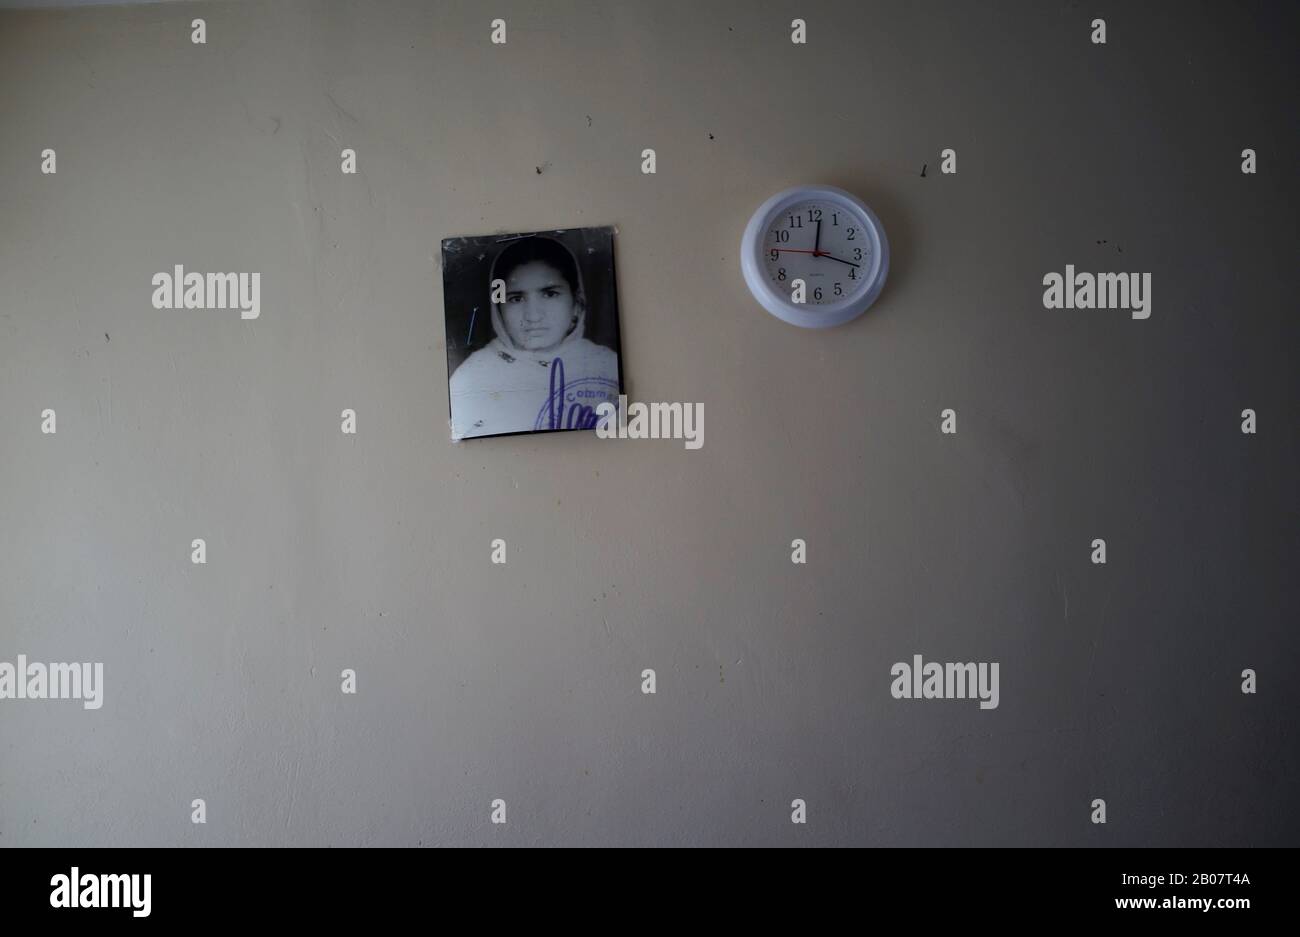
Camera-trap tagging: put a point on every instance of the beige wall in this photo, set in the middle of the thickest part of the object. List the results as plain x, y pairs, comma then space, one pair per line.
523, 682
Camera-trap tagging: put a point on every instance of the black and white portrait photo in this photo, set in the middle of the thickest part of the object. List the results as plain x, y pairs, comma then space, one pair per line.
532, 331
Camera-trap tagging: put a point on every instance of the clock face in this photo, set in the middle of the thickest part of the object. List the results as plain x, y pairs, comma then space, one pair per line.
824, 238
822, 243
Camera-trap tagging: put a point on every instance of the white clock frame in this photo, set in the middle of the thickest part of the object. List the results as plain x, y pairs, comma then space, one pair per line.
779, 304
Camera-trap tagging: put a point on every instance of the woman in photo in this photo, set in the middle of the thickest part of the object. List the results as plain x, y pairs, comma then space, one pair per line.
538, 372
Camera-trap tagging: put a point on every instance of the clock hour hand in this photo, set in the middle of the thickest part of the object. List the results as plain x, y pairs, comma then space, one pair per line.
832, 257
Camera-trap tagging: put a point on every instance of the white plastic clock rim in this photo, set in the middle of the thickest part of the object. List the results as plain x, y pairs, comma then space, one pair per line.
779, 304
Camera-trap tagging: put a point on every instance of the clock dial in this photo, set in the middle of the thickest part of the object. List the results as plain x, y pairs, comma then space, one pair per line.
824, 238
821, 243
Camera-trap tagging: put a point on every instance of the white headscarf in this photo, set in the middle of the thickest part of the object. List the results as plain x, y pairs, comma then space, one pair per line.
505, 346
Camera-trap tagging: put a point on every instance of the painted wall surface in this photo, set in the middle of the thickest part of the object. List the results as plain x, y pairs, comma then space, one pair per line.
523, 681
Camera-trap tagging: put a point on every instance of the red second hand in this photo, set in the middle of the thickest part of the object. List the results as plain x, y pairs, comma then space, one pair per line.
791, 250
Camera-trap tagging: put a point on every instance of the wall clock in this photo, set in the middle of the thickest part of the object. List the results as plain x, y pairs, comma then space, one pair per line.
820, 235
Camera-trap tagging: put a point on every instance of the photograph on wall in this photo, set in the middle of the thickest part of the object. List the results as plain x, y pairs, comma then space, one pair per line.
532, 331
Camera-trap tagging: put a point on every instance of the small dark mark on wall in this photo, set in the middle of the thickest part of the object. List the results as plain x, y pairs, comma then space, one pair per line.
588, 120
542, 168
710, 136
923, 165
106, 338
